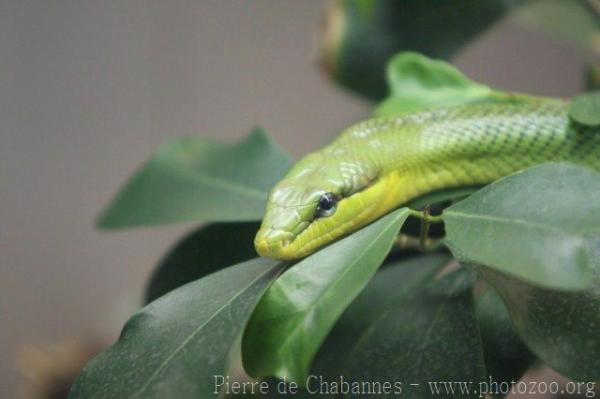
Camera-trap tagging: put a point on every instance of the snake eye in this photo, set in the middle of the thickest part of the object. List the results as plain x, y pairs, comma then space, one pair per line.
327, 205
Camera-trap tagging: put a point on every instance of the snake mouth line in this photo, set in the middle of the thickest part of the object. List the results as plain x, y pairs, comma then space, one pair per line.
269, 242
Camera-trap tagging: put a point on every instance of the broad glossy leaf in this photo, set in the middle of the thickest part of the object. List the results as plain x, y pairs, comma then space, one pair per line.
506, 356
585, 109
418, 83
175, 346
206, 250
199, 179
560, 327
298, 311
535, 225
389, 288
431, 336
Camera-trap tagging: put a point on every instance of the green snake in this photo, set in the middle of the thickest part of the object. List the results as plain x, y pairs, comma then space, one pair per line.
380, 164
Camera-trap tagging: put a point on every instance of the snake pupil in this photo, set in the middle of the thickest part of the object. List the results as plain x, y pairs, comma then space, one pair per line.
327, 203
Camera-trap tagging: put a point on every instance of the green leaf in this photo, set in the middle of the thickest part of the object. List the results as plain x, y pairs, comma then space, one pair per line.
585, 109
418, 83
430, 336
535, 225
560, 327
173, 347
199, 179
295, 315
390, 287
506, 356
206, 250
360, 36
592, 77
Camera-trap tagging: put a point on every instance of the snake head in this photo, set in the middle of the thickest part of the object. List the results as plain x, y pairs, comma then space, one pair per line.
319, 200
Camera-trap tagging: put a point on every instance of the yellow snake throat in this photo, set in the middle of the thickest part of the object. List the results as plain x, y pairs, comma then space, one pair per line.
380, 164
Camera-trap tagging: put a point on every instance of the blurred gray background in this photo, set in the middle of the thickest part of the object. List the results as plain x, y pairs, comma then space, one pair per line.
89, 89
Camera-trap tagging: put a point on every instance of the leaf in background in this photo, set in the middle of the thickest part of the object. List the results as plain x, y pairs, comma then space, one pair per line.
506, 356
535, 225
585, 109
592, 78
389, 288
561, 328
298, 311
575, 21
418, 83
199, 179
175, 346
360, 36
430, 336
206, 250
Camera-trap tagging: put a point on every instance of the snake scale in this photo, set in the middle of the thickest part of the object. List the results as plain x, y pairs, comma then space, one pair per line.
377, 165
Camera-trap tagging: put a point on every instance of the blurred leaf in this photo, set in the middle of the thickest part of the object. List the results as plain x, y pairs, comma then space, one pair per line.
585, 109
206, 250
173, 347
575, 21
592, 78
298, 311
506, 356
430, 336
360, 36
418, 83
199, 179
560, 327
535, 225
387, 290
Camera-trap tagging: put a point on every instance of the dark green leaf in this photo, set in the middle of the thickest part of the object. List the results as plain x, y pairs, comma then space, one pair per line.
387, 290
585, 109
199, 179
535, 225
430, 337
560, 327
206, 250
298, 311
360, 36
173, 347
506, 356
592, 77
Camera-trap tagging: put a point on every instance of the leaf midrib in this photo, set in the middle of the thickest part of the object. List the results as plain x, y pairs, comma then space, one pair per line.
336, 281
523, 222
196, 331
217, 181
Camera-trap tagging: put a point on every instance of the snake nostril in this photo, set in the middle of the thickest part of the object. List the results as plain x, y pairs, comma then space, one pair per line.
268, 240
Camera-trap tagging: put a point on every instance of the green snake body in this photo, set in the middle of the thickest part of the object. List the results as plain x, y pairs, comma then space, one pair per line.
380, 164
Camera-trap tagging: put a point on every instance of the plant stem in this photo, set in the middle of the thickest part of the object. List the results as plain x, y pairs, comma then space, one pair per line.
430, 218
404, 241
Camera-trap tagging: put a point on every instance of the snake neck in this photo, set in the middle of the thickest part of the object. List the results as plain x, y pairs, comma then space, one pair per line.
470, 145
